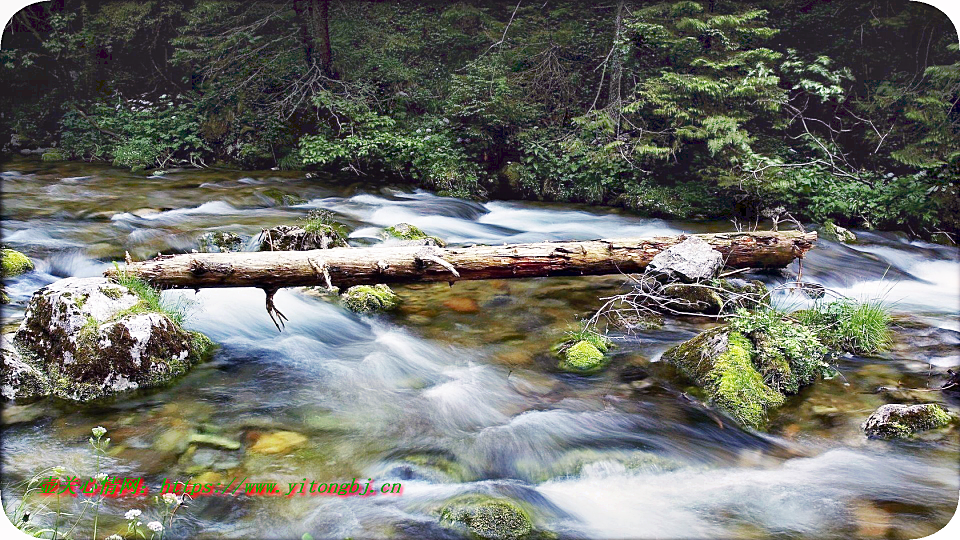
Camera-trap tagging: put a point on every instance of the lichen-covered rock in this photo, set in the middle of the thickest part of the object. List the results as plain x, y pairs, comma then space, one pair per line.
487, 517
18, 379
289, 238
219, 242
369, 298
582, 357
689, 261
895, 421
14, 263
93, 338
743, 293
408, 234
720, 361
835, 232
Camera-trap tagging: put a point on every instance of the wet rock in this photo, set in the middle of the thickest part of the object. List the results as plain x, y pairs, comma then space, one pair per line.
689, 261
462, 305
488, 517
219, 242
720, 361
952, 384
282, 198
895, 421
19, 379
407, 234
279, 442
215, 441
582, 357
369, 298
14, 263
835, 232
92, 338
289, 238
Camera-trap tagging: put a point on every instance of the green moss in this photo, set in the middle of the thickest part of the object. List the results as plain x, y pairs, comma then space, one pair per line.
835, 232
14, 263
582, 357
851, 326
369, 298
406, 231
596, 339
53, 155
738, 388
112, 292
489, 518
282, 198
223, 241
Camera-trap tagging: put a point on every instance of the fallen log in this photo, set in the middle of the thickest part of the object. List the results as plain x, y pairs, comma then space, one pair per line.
345, 267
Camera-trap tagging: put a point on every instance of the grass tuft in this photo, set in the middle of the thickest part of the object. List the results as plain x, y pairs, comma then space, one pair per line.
849, 325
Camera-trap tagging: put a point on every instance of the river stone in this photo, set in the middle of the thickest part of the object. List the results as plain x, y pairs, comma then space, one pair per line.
279, 442
219, 242
491, 518
93, 338
689, 261
895, 421
288, 238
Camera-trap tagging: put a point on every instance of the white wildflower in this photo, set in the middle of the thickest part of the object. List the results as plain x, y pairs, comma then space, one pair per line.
114, 537
155, 526
132, 514
99, 431
170, 498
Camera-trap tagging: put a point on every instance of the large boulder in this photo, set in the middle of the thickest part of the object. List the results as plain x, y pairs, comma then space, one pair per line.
895, 421
92, 338
290, 238
689, 261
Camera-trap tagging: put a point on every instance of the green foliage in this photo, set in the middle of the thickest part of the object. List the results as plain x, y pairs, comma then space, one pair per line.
322, 222
135, 133
848, 325
151, 301
789, 355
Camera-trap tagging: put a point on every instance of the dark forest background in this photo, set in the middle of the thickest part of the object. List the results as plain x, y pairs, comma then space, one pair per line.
842, 110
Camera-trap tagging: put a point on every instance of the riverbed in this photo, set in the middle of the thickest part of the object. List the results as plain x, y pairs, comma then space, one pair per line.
458, 392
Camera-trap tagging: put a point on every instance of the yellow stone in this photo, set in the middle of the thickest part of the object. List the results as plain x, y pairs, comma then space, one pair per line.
278, 442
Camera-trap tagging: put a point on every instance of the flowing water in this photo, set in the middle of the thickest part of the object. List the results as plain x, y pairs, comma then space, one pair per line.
458, 393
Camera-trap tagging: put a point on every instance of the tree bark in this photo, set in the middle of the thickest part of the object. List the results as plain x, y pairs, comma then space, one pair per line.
314, 18
344, 267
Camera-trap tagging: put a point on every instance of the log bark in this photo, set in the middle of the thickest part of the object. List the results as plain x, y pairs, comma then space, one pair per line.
345, 267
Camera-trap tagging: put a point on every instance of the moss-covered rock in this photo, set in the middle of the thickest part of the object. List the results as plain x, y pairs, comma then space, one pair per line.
582, 357
18, 378
837, 233
788, 355
410, 234
282, 198
896, 421
14, 263
53, 155
219, 241
490, 518
289, 238
720, 361
369, 298
94, 338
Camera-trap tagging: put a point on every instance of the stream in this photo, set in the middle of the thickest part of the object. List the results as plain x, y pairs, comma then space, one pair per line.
457, 392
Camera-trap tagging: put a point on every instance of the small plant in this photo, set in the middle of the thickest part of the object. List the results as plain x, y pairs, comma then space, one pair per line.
322, 222
849, 325
150, 298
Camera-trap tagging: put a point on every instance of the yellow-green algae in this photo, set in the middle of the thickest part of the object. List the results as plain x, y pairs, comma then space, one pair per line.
14, 263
